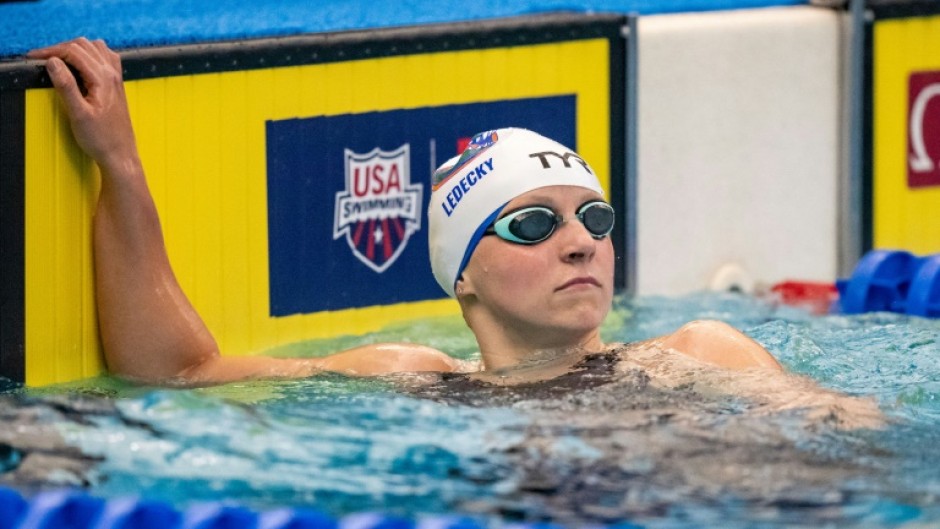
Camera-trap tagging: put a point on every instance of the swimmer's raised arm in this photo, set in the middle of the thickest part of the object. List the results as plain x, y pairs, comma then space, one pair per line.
149, 330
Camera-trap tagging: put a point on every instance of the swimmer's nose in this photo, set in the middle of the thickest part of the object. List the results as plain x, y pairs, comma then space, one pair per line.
576, 242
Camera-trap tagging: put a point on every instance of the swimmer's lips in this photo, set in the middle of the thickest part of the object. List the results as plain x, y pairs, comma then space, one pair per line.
579, 282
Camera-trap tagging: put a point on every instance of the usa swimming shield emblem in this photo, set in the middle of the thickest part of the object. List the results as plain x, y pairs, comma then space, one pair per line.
380, 208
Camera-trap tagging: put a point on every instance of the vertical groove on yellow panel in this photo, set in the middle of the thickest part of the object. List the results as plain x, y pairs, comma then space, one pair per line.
206, 178
63, 247
178, 220
60, 267
37, 287
233, 196
259, 105
61, 328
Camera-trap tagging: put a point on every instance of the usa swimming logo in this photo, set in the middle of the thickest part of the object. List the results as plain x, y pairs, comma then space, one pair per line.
380, 208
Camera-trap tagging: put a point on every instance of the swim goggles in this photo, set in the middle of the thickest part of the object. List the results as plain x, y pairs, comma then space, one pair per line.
534, 224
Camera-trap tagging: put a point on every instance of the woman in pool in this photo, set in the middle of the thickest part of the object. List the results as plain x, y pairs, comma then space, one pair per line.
525, 251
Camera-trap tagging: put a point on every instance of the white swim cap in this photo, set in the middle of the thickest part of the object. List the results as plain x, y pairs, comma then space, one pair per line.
471, 189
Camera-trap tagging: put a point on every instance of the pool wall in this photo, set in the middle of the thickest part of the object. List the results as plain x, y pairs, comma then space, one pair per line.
292, 175
744, 146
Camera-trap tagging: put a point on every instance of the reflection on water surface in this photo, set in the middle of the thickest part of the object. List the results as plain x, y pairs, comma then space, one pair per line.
611, 442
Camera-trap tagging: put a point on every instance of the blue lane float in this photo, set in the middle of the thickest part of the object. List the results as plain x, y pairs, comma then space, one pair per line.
61, 510
892, 281
923, 298
133, 513
12, 508
77, 510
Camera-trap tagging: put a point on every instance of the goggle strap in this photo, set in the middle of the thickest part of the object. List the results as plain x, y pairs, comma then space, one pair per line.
475, 240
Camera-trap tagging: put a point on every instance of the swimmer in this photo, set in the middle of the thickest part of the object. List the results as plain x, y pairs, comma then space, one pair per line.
524, 249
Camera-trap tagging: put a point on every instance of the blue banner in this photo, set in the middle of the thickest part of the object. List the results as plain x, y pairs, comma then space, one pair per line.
348, 195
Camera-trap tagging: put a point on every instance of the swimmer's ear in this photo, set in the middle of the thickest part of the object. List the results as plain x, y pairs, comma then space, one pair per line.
463, 287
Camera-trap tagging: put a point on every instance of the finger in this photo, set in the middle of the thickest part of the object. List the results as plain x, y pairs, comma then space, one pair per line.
76, 56
57, 49
101, 46
65, 83
44, 53
84, 48
79, 47
90, 49
108, 54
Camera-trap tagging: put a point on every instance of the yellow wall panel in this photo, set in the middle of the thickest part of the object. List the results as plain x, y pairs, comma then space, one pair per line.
202, 142
903, 217
61, 324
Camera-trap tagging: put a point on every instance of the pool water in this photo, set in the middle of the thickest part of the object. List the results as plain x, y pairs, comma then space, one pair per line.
595, 448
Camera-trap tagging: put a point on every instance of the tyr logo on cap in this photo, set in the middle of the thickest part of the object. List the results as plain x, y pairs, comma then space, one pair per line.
380, 208
546, 156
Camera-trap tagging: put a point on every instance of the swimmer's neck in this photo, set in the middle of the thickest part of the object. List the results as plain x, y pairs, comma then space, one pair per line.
506, 353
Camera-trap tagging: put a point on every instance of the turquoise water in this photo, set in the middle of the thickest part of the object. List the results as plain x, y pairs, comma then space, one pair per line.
593, 449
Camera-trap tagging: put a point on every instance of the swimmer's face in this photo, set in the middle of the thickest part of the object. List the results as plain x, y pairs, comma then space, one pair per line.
551, 290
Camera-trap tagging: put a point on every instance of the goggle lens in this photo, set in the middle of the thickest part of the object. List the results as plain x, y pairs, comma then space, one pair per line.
535, 224
532, 224
598, 219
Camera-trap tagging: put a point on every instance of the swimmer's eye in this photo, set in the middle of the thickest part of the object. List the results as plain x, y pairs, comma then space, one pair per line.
534, 224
